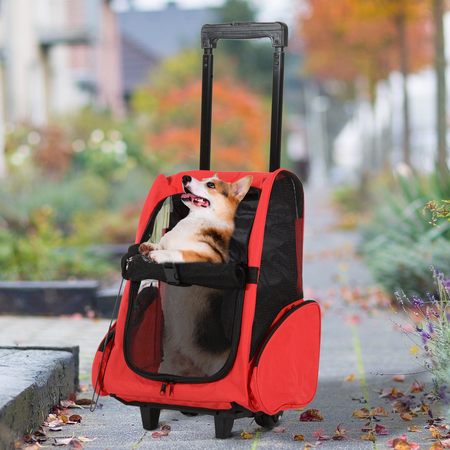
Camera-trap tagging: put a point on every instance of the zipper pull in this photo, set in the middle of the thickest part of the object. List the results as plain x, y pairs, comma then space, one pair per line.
162, 392
171, 383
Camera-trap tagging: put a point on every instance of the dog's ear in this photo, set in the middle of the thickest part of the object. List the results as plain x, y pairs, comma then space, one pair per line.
240, 188
216, 176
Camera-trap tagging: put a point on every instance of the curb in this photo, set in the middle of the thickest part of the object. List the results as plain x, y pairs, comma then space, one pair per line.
32, 380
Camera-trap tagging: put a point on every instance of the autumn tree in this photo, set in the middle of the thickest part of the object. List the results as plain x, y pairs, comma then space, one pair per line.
171, 103
349, 39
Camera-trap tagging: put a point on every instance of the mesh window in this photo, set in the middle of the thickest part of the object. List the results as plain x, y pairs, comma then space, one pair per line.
280, 272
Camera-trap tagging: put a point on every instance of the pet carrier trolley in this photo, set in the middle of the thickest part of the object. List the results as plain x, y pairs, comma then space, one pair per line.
272, 333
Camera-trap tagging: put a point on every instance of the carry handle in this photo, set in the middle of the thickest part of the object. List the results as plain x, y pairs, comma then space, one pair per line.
276, 31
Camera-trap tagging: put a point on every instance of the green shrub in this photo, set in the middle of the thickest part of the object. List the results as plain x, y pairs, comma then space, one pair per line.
399, 244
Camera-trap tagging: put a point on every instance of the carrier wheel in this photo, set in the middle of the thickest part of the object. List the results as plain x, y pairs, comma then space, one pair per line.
223, 425
150, 417
266, 421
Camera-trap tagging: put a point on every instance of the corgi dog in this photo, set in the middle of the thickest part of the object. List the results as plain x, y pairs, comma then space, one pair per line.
195, 341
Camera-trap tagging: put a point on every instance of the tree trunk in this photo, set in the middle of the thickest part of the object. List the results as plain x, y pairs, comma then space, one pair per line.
440, 65
400, 21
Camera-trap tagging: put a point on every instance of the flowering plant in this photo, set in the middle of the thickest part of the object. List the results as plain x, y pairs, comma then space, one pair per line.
431, 325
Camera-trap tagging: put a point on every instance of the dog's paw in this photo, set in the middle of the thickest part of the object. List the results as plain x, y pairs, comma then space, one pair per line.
163, 256
145, 248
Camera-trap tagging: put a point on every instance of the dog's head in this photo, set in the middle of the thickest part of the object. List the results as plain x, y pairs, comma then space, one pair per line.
214, 196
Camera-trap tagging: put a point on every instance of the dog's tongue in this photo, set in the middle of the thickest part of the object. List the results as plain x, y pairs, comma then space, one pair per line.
200, 201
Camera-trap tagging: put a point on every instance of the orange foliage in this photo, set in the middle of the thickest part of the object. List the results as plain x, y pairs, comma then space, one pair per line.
240, 127
347, 38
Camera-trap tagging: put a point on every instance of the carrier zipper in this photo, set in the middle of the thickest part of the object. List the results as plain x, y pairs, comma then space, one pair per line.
164, 384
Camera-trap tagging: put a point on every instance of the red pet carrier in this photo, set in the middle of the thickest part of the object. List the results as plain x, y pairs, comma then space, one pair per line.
272, 335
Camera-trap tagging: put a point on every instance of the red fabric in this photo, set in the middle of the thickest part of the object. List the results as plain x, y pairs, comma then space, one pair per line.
242, 384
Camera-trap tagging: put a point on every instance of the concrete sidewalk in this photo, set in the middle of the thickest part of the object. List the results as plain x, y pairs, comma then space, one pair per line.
357, 342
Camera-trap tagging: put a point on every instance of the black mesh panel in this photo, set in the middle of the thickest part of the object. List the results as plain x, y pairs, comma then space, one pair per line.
277, 286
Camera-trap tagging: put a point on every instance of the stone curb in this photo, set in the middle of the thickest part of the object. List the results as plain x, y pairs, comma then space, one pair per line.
32, 380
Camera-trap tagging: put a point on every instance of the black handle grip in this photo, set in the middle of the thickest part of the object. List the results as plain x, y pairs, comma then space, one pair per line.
276, 31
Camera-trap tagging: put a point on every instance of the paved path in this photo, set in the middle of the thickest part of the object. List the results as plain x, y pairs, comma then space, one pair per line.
358, 340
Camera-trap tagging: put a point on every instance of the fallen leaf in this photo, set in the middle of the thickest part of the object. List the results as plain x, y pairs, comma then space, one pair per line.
435, 432
246, 435
380, 411
299, 437
350, 378
67, 403
85, 439
339, 433
320, 436
59, 442
83, 402
75, 418
279, 429
75, 445
402, 445
399, 377
406, 417
445, 443
381, 430
362, 413
369, 436
311, 415
393, 442
401, 406
437, 446
416, 387
414, 429
164, 431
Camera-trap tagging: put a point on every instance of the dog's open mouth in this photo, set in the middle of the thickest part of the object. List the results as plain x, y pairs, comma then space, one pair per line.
190, 197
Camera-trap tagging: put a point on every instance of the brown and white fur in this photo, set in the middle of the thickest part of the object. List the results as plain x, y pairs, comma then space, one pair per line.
195, 343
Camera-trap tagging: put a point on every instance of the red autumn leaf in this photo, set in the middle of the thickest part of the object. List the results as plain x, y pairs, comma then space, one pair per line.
164, 431
393, 442
320, 436
381, 430
311, 415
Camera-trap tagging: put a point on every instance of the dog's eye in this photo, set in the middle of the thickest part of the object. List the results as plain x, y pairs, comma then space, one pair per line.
211, 185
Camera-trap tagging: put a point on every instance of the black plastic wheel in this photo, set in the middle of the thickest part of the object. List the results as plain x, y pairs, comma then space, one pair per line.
189, 414
266, 421
150, 417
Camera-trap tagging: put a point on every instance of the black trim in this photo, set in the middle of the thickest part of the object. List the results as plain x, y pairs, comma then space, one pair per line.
237, 410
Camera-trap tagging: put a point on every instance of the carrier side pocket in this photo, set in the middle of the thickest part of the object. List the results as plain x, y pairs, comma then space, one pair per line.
101, 360
287, 364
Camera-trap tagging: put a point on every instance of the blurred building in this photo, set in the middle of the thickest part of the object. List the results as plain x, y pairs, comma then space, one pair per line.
150, 36
57, 56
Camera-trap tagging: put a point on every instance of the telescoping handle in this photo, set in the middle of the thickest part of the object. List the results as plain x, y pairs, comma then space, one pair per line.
276, 31
211, 33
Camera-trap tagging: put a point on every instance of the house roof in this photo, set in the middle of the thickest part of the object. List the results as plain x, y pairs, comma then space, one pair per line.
164, 33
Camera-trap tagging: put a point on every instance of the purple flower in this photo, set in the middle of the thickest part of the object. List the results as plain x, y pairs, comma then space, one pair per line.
430, 327
416, 302
425, 336
431, 298
443, 395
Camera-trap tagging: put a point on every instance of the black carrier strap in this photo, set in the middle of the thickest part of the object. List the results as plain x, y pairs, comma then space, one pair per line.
230, 275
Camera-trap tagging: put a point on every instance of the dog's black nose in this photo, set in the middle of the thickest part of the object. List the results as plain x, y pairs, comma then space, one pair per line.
186, 179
